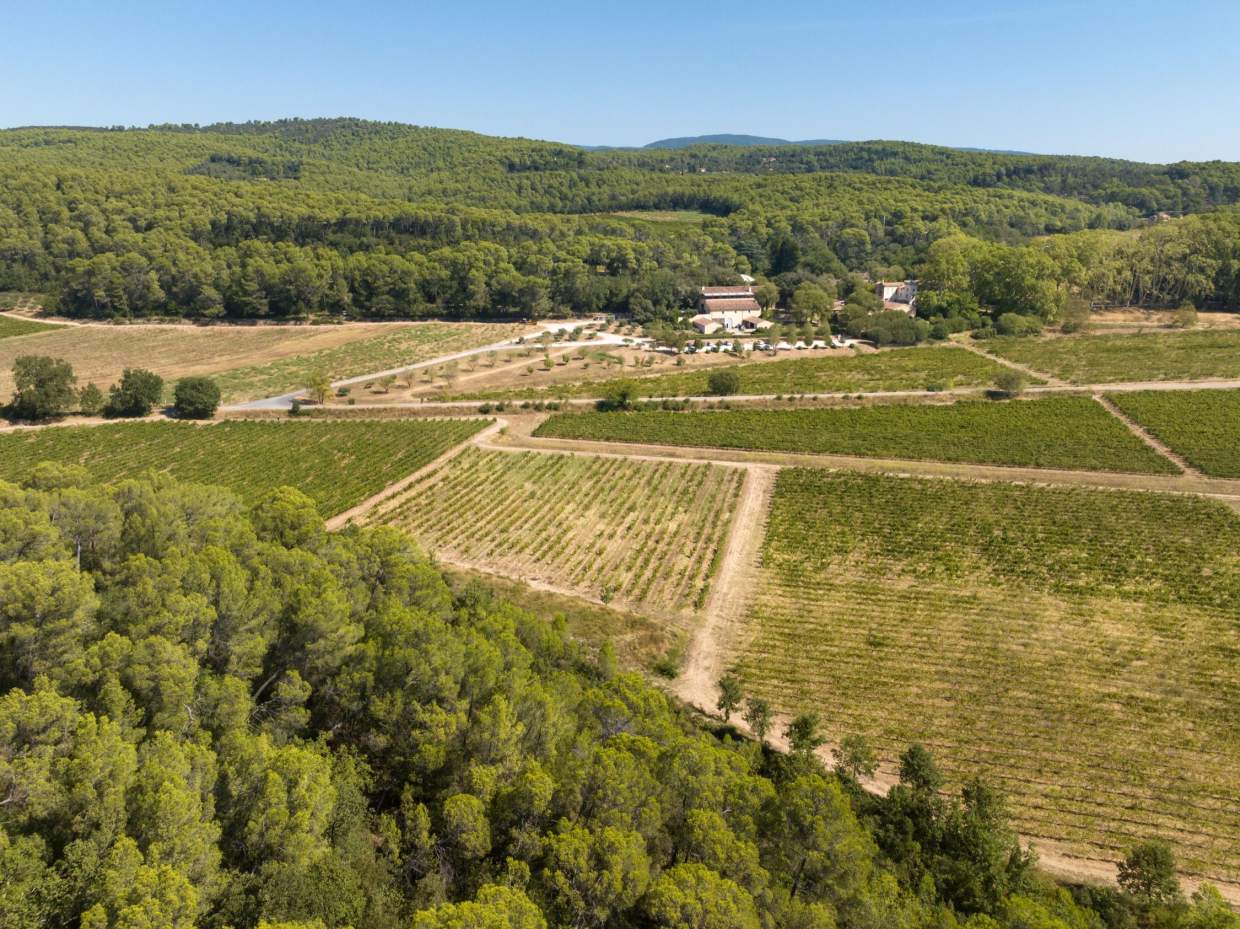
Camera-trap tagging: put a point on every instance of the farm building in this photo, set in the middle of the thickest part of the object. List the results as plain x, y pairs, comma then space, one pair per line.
898, 295
730, 308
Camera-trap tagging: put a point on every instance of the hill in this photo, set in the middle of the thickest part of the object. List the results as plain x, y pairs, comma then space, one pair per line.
344, 217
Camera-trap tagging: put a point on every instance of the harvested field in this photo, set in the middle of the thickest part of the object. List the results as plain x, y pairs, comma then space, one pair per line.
1202, 426
1109, 359
1059, 432
338, 464
248, 361
1078, 648
636, 533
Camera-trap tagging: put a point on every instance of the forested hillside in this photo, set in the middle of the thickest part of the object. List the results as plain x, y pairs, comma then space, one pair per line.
213, 716
348, 218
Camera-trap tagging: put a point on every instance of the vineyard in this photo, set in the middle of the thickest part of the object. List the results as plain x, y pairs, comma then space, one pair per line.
1203, 426
1108, 359
338, 464
634, 532
11, 326
1076, 647
897, 369
1060, 432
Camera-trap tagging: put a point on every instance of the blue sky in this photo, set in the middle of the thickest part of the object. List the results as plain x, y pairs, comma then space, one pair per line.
1147, 80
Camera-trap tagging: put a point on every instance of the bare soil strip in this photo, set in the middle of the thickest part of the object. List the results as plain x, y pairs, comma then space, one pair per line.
1149, 439
729, 597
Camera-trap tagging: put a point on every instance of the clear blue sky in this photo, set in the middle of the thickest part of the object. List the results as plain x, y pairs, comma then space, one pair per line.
1149, 80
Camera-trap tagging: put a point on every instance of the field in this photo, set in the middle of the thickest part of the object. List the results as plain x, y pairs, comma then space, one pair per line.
1108, 359
1060, 432
897, 369
10, 326
1203, 426
248, 361
338, 464
630, 532
1075, 647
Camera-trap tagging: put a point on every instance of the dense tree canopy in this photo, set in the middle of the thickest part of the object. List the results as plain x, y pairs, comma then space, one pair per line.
348, 218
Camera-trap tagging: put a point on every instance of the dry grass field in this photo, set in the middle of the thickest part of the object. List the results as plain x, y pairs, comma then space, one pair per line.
249, 361
635, 533
1075, 647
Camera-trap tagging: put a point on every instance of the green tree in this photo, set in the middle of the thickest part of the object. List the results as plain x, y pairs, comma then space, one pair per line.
90, 400
730, 695
137, 393
692, 896
594, 875
811, 302
1148, 873
494, 908
196, 397
803, 735
767, 295
619, 395
319, 386
854, 758
43, 387
723, 382
758, 717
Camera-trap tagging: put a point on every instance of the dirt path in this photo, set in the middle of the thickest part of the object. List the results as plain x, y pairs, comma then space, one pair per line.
1136, 429
730, 592
1050, 379
393, 490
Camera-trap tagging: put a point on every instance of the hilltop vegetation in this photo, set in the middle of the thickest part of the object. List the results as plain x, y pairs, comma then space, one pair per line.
349, 218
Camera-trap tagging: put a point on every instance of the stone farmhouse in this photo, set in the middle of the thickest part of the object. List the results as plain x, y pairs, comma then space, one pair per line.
732, 309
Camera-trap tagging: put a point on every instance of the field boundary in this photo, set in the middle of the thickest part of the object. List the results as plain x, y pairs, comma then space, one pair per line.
1147, 437
340, 520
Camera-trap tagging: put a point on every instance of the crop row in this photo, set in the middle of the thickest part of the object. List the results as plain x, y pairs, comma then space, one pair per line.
643, 533
1059, 432
1203, 426
1048, 639
337, 464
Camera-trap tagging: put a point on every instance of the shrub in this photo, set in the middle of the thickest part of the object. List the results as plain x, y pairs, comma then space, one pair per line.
136, 394
1186, 316
1009, 383
619, 396
723, 383
1016, 324
196, 398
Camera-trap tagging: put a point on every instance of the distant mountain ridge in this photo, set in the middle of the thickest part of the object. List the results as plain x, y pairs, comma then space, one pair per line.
734, 139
